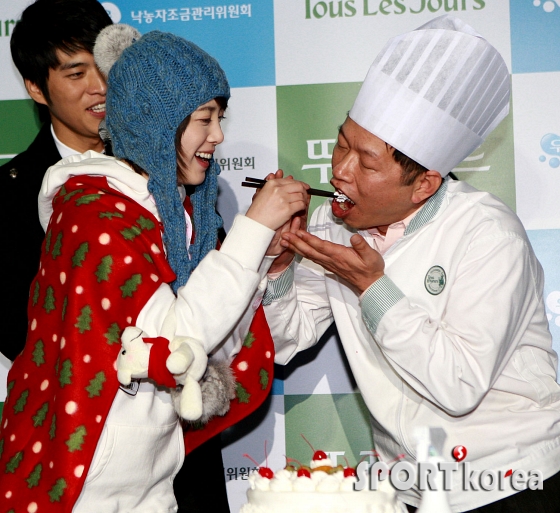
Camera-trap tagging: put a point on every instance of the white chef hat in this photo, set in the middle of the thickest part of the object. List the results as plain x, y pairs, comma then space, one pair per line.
435, 93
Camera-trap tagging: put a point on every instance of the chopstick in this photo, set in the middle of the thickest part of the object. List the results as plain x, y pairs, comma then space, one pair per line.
258, 183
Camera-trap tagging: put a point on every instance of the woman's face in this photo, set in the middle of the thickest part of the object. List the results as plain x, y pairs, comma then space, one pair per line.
198, 142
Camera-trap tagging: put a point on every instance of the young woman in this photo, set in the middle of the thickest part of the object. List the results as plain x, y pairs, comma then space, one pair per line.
120, 251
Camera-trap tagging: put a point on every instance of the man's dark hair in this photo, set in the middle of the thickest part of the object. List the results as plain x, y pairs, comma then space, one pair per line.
410, 168
50, 25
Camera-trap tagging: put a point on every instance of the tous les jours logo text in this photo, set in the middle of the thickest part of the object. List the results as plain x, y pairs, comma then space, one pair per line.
317, 9
6, 27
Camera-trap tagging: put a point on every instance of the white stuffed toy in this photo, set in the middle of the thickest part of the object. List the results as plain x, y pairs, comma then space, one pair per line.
200, 389
187, 362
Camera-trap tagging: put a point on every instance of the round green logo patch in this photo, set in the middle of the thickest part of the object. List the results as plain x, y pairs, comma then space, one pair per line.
435, 280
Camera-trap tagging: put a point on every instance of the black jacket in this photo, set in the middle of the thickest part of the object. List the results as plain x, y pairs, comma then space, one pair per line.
20, 182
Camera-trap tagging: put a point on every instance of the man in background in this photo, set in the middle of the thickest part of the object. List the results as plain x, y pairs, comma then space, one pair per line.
52, 49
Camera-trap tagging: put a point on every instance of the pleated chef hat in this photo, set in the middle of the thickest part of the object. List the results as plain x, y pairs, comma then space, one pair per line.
435, 93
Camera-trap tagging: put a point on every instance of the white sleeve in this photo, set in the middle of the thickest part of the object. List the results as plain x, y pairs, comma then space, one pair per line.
220, 291
297, 309
454, 362
231, 345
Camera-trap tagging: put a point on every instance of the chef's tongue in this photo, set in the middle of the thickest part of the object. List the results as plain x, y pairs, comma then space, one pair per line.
344, 202
345, 205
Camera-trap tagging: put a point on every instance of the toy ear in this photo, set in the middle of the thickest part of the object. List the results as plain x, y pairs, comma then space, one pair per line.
130, 333
110, 44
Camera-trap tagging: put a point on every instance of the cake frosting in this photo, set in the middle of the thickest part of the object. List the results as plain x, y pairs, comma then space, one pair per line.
319, 488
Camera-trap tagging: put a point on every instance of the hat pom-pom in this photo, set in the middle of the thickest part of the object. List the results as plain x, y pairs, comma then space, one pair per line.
110, 44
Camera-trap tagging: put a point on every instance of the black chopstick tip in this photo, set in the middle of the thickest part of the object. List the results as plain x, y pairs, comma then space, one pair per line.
313, 192
255, 180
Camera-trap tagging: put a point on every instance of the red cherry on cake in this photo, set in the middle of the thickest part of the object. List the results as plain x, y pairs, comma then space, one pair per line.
319, 455
303, 472
349, 472
263, 471
266, 472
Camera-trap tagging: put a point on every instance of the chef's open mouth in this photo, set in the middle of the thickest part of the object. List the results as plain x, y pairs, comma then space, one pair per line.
344, 202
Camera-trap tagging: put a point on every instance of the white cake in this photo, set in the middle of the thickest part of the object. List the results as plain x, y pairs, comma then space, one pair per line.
320, 490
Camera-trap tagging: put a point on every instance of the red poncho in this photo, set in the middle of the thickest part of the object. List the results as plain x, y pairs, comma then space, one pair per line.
101, 261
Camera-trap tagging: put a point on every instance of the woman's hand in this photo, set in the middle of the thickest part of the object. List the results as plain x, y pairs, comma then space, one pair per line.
297, 221
279, 200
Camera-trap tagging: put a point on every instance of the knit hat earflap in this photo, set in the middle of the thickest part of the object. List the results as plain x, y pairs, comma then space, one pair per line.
156, 82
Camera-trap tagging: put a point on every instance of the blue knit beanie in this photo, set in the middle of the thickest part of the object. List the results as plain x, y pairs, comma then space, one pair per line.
153, 86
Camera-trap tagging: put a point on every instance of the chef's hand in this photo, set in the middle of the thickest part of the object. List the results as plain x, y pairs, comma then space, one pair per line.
359, 264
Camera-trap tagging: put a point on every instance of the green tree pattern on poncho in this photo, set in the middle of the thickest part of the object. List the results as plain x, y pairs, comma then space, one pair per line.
92, 282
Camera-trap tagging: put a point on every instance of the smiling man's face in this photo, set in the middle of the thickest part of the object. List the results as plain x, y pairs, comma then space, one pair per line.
76, 100
364, 170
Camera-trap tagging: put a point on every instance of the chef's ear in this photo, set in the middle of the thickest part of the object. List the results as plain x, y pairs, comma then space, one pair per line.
425, 185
